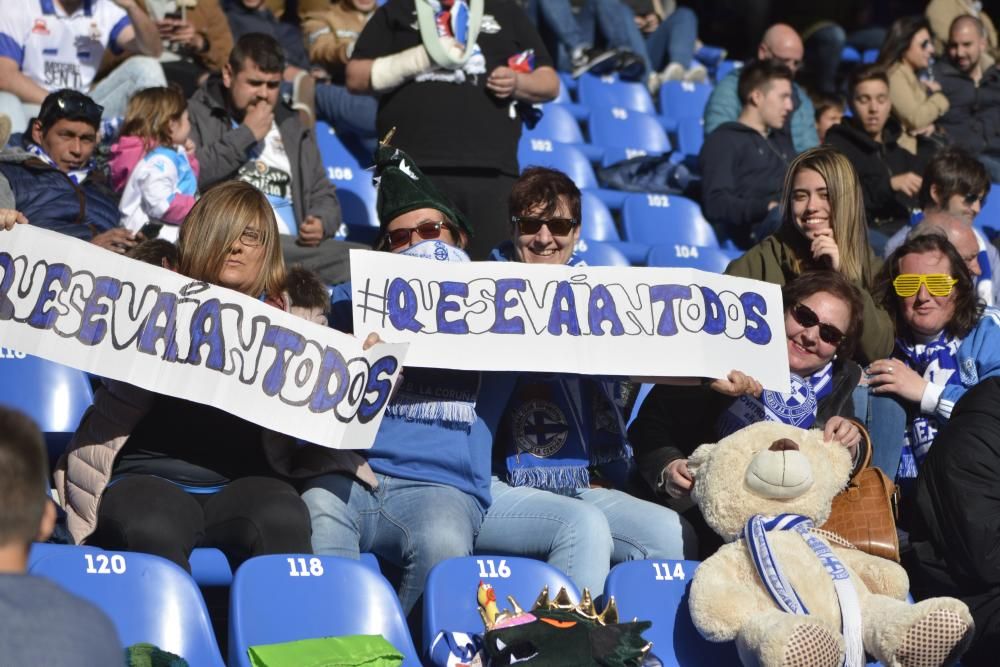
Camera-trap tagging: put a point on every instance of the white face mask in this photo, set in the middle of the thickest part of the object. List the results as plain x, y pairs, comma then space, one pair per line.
437, 249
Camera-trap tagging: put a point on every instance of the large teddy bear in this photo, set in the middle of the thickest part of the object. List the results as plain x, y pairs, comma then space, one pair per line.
762, 489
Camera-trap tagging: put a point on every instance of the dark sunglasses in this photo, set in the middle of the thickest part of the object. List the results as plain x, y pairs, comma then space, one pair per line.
527, 225
425, 230
805, 316
971, 199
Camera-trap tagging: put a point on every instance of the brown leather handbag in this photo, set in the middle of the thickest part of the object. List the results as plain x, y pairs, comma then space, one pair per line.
865, 512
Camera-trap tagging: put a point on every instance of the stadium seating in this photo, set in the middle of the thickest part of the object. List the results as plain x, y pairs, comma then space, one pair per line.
598, 253
725, 67
690, 135
597, 92
284, 598
656, 219
149, 599
53, 395
42, 550
598, 225
354, 187
210, 567
450, 595
618, 127
558, 124
682, 99
566, 84
681, 255
657, 591
569, 160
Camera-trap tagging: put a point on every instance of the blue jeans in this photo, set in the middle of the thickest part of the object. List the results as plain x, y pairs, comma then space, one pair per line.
885, 419
673, 40
414, 525
582, 534
611, 18
352, 118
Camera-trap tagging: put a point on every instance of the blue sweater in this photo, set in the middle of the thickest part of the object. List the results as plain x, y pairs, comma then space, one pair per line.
978, 359
422, 439
724, 106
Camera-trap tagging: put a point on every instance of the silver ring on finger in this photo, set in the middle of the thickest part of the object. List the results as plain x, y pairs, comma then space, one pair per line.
888, 369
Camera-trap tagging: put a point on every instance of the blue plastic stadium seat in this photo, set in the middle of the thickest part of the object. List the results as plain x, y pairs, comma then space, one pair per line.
598, 253
618, 127
850, 55
558, 124
690, 135
869, 56
566, 84
53, 395
450, 595
725, 67
210, 567
657, 591
42, 550
683, 99
644, 390
569, 160
682, 255
596, 92
656, 219
354, 186
149, 599
598, 225
288, 597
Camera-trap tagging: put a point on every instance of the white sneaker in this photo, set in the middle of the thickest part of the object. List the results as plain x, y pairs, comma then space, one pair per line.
673, 72
653, 83
696, 73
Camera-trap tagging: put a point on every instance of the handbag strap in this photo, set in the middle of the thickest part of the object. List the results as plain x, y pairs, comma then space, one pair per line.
864, 452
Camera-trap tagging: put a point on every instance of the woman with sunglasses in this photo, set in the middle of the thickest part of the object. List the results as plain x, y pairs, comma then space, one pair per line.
823, 228
946, 341
560, 454
422, 494
162, 475
906, 53
822, 322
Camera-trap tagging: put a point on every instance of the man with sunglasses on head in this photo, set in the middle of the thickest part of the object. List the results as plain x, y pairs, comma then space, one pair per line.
957, 183
244, 130
51, 178
46, 45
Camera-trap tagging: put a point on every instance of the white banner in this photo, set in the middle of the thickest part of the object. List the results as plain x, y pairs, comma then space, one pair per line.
509, 316
79, 305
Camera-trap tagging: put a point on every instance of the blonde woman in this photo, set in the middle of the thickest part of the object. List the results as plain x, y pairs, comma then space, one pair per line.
162, 475
823, 227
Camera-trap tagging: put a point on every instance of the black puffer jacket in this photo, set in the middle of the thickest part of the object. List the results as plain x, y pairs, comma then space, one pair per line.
972, 121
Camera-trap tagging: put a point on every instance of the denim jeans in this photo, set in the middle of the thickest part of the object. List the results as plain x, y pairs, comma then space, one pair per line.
610, 18
413, 525
351, 116
135, 74
581, 534
823, 50
885, 419
673, 40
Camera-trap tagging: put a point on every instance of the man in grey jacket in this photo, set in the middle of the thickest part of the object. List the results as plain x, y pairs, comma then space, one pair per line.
243, 130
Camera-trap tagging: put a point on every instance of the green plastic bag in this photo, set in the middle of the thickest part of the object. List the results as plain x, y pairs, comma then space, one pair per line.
347, 651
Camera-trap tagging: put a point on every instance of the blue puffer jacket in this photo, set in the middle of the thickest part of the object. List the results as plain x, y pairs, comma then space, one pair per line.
724, 106
49, 199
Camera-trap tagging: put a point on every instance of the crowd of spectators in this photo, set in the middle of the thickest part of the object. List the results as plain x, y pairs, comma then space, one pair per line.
196, 123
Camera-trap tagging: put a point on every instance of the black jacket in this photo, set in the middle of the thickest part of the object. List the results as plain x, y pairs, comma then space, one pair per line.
876, 163
741, 171
973, 119
674, 421
955, 531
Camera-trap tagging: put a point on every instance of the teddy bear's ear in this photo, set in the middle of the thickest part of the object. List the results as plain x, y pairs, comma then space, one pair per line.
700, 457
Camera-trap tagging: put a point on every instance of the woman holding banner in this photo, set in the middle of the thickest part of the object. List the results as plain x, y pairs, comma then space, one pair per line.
822, 322
157, 474
430, 458
560, 454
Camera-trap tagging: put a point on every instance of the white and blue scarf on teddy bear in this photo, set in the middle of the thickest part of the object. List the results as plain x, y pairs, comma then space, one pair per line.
784, 594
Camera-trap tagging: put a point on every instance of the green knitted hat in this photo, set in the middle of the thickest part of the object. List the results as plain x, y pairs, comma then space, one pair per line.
402, 188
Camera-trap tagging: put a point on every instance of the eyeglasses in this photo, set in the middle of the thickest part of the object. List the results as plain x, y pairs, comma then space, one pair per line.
805, 316
971, 199
425, 230
251, 237
530, 226
938, 284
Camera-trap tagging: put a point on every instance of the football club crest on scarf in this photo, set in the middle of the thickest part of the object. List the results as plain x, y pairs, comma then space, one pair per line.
538, 426
797, 408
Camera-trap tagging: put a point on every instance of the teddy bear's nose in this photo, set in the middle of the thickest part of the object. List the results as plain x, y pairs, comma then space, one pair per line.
784, 445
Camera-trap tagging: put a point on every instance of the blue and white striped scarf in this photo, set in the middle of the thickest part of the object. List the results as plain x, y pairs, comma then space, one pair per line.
936, 362
797, 408
77, 175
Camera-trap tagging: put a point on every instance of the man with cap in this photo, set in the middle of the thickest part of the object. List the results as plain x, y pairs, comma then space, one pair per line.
51, 180
422, 494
